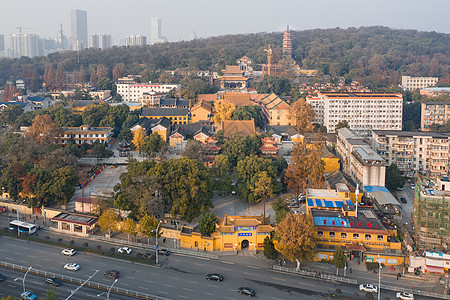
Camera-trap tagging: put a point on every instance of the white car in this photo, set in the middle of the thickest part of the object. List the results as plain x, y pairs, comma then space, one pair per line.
405, 296
69, 252
369, 288
72, 267
124, 250
412, 186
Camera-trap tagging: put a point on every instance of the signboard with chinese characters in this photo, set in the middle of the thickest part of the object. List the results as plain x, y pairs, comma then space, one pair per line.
244, 234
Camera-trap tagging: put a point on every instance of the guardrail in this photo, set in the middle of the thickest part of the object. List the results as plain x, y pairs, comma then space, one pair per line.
152, 247
315, 274
353, 281
91, 284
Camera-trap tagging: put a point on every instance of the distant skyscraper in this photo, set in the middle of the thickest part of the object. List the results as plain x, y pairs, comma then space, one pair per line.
79, 28
100, 41
26, 45
156, 30
287, 43
2, 43
135, 40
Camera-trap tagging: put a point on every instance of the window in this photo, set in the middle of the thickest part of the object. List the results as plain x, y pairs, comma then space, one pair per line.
331, 234
355, 236
77, 228
320, 233
343, 235
379, 238
368, 237
65, 226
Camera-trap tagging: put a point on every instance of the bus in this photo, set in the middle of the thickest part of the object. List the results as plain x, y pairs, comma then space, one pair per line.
22, 227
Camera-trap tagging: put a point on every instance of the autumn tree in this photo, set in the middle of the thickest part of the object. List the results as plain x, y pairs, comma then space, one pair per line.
82, 76
44, 130
109, 221
305, 169
341, 124
139, 139
224, 111
59, 77
93, 78
295, 235
119, 71
147, 226
301, 116
102, 71
193, 150
207, 223
128, 226
339, 259
251, 173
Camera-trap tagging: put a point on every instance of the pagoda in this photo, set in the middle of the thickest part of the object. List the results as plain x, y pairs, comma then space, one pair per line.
124, 148
287, 42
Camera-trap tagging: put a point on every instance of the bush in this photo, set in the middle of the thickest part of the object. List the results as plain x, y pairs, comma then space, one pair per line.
71, 243
47, 237
338, 291
98, 247
85, 245
59, 240
112, 249
269, 249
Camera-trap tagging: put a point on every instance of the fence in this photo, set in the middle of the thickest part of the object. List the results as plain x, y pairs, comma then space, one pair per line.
353, 281
92, 284
148, 246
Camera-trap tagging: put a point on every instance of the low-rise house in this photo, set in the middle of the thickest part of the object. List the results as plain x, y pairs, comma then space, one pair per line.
86, 135
180, 134
175, 115
238, 127
201, 111
275, 110
160, 126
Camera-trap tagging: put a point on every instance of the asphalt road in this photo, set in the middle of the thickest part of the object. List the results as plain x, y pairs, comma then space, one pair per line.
179, 278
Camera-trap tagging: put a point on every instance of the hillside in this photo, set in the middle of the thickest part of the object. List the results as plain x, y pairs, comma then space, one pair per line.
374, 55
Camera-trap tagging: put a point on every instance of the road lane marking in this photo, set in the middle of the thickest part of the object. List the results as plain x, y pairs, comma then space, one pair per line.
228, 262
3, 250
225, 269
214, 286
149, 281
142, 287
46, 259
32, 256
253, 267
131, 277
183, 297
276, 298
192, 282
209, 294
163, 292
168, 285
232, 290
276, 278
250, 274
8, 258
123, 283
174, 278
186, 289
228, 298
203, 265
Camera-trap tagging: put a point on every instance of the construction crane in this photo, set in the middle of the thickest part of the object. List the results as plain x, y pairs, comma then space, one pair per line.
20, 27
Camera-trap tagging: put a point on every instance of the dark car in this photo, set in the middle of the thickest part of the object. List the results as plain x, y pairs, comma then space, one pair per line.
403, 200
214, 276
2, 277
112, 274
53, 281
163, 252
246, 291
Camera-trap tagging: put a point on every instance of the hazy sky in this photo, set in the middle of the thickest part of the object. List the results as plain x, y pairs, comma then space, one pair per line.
218, 17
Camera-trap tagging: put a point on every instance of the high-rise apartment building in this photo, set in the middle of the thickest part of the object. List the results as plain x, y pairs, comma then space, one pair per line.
100, 41
26, 45
135, 40
316, 104
412, 83
434, 113
413, 152
79, 28
2, 43
363, 112
155, 30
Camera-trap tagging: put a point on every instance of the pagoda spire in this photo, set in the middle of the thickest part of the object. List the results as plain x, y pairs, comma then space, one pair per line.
287, 42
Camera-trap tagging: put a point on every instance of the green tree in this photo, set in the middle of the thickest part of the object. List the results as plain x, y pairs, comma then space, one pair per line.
100, 150
62, 185
280, 208
394, 178
104, 84
269, 249
295, 234
109, 221
339, 259
207, 223
93, 114
341, 124
152, 144
409, 126
235, 148
248, 113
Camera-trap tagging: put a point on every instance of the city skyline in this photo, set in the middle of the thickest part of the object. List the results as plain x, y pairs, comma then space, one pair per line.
212, 20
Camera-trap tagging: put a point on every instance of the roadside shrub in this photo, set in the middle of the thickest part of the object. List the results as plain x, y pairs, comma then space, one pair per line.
112, 250
98, 247
71, 243
59, 240
47, 237
338, 291
85, 245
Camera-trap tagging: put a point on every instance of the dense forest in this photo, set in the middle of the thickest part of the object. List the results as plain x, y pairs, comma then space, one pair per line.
375, 56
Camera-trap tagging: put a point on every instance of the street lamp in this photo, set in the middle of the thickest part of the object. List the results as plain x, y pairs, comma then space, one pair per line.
23, 279
156, 250
109, 290
379, 277
18, 205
